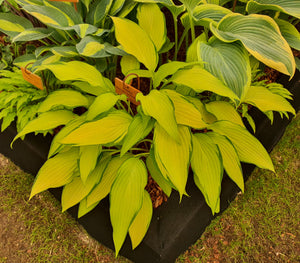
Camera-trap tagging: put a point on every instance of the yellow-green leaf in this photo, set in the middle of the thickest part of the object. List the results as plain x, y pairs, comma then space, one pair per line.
12, 25
289, 32
84, 209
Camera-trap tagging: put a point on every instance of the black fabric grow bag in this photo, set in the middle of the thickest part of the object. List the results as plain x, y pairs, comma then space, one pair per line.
174, 227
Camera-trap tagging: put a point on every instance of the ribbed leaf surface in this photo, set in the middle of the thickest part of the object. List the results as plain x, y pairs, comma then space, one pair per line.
12, 25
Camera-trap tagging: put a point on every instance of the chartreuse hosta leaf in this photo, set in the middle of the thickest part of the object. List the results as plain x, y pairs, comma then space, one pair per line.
207, 166
289, 32
83, 209
128, 63
47, 121
155, 28
110, 129
261, 37
249, 149
143, 48
185, 112
91, 47
230, 158
110, 168
229, 62
12, 25
138, 129
155, 173
32, 34
66, 51
158, 105
94, 90
173, 157
265, 100
88, 160
291, 7
66, 98
224, 111
126, 198
103, 103
56, 172
201, 80
141, 222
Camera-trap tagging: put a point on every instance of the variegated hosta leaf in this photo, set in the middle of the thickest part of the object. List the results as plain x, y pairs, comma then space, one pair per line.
291, 7
88, 160
12, 25
83, 30
76, 70
110, 168
126, 198
66, 51
224, 111
127, 8
47, 121
158, 105
185, 112
192, 52
98, 11
265, 100
110, 129
207, 166
289, 32
143, 48
91, 47
261, 37
56, 172
164, 2
116, 7
56, 146
141, 222
201, 80
229, 62
32, 34
102, 103
24, 60
152, 20
129, 63
66, 98
173, 158
138, 129
230, 159
249, 149
155, 173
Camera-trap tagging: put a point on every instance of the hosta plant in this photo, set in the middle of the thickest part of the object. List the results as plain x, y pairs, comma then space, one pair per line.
186, 122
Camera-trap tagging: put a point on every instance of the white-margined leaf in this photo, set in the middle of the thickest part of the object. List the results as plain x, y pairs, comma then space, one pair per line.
126, 198
207, 166
261, 37
110, 129
249, 149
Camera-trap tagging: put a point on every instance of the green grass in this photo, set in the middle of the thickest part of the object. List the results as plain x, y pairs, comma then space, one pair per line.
261, 225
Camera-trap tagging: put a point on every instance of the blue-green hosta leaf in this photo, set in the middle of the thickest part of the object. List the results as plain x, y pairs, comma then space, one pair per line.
224, 111
143, 49
76, 70
155, 173
88, 160
12, 25
98, 11
265, 100
249, 149
83, 30
91, 47
56, 172
141, 222
201, 80
185, 112
291, 7
102, 103
158, 105
261, 37
172, 157
66, 98
116, 7
24, 60
65, 51
289, 32
32, 34
126, 198
155, 28
110, 129
56, 146
47, 121
128, 6
229, 62
129, 63
138, 129
230, 159
110, 168
207, 166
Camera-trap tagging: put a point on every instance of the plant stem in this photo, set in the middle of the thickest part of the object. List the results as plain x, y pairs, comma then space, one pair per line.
176, 37
141, 154
234, 5
193, 34
180, 41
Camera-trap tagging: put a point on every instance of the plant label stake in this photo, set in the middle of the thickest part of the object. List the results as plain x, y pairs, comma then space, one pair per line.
123, 88
32, 78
